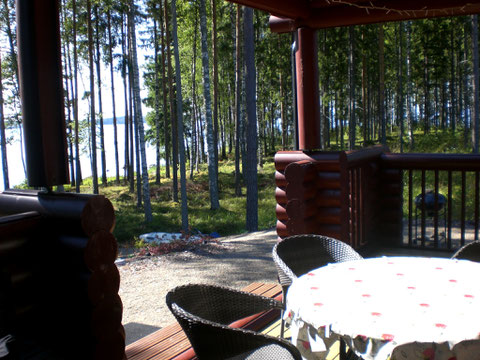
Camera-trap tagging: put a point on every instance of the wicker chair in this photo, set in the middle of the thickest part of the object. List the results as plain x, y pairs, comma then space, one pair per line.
205, 311
470, 251
298, 254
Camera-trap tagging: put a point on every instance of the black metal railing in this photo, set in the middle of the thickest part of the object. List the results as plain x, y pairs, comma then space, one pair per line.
440, 198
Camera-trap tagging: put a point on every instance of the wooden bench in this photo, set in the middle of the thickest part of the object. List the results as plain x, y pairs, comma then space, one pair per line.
171, 343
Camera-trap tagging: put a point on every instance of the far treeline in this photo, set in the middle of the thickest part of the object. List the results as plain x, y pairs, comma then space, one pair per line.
220, 86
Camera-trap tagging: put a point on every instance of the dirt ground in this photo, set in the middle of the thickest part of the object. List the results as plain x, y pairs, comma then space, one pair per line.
232, 261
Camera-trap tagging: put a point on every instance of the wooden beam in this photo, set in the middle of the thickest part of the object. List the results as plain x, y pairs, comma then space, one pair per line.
287, 8
339, 13
353, 15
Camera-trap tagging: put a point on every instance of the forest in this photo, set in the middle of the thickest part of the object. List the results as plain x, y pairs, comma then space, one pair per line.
206, 81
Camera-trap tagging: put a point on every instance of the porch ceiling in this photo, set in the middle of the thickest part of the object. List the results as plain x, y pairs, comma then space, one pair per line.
316, 14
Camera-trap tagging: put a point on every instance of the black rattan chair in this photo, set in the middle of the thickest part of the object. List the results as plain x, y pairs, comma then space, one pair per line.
470, 251
298, 254
205, 311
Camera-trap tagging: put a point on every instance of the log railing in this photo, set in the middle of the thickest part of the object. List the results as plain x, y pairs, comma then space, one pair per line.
329, 193
368, 195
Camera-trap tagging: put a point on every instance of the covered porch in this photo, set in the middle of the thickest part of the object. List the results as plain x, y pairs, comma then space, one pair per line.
364, 197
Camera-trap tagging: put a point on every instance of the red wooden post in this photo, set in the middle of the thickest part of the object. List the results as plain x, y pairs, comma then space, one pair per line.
308, 104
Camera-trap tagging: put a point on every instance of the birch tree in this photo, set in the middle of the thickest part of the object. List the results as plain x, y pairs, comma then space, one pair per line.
3, 144
138, 114
250, 85
213, 182
181, 148
93, 127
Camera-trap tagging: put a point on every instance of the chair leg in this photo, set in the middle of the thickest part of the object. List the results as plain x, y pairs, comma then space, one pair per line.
282, 325
343, 352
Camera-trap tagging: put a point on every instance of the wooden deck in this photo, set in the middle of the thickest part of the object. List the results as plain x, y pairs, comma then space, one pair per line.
171, 343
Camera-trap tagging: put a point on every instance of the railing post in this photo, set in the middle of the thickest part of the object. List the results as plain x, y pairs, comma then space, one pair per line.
308, 104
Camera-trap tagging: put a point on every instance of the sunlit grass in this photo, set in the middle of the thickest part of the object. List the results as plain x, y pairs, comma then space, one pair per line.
228, 220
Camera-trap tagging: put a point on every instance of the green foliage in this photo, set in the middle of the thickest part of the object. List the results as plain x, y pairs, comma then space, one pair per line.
228, 220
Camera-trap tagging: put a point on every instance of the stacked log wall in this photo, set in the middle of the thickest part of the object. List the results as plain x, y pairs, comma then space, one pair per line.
308, 193
74, 254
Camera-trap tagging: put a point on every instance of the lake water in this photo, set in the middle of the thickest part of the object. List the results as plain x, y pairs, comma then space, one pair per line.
16, 171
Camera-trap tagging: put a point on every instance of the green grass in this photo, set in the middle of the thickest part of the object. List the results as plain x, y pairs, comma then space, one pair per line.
228, 220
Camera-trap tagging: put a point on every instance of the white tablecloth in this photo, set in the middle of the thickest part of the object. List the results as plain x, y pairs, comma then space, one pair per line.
430, 304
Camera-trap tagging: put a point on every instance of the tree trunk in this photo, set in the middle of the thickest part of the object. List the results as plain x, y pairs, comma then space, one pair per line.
411, 141
212, 175
352, 124
364, 96
426, 87
181, 148
78, 171
3, 144
93, 126
128, 165
166, 132
172, 109
215, 83
194, 158
453, 97
381, 92
466, 97
400, 82
100, 105
112, 82
67, 64
250, 87
238, 86
282, 108
138, 116
476, 89
157, 99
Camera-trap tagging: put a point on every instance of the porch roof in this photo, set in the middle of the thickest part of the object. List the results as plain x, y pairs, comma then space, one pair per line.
289, 15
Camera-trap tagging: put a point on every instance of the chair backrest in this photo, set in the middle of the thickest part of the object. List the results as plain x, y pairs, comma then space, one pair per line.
470, 251
298, 254
205, 311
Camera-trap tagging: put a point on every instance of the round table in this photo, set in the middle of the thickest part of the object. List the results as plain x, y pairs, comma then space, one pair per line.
389, 307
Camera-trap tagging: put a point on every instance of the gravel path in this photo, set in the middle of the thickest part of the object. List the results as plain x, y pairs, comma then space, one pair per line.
234, 261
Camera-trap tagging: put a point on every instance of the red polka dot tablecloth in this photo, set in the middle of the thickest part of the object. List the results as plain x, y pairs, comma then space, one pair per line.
389, 308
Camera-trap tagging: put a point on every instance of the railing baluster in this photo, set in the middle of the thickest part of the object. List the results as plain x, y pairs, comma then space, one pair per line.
462, 236
357, 206
435, 213
410, 206
423, 224
353, 237
449, 211
361, 209
477, 200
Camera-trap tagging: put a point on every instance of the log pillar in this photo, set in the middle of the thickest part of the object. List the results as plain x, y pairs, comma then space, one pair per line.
308, 96
41, 92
